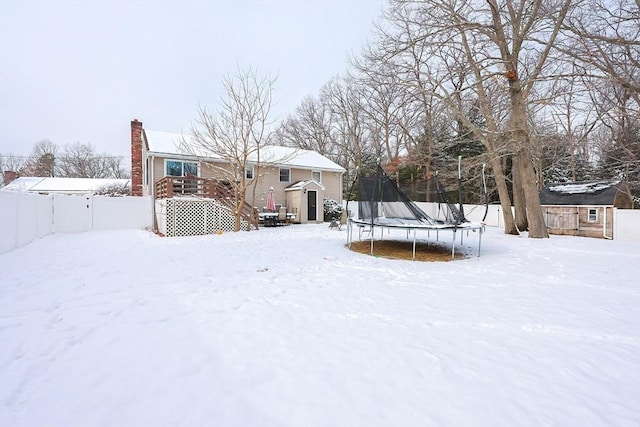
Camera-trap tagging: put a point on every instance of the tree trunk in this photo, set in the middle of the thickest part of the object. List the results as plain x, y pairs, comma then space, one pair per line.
518, 193
524, 170
535, 216
239, 202
505, 200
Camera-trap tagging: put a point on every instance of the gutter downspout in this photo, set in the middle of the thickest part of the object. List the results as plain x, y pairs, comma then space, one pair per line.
152, 191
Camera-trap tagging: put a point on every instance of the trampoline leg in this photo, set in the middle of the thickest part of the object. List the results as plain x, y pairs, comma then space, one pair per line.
453, 246
414, 244
372, 230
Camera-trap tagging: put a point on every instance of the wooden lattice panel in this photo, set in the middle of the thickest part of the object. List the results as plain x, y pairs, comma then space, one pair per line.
188, 217
193, 217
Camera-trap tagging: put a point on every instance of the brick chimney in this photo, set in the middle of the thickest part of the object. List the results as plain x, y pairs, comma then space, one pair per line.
136, 158
8, 176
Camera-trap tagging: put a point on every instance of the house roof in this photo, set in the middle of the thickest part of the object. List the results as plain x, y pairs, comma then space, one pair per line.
62, 185
169, 143
581, 193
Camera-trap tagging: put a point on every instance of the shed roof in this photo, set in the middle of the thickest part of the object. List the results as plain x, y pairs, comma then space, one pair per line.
169, 143
582, 193
62, 185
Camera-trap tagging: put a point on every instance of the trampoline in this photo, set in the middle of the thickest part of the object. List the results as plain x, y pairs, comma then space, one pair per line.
382, 205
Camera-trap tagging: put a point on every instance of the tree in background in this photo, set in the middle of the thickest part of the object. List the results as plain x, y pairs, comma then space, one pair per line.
12, 163
550, 90
81, 161
42, 161
73, 161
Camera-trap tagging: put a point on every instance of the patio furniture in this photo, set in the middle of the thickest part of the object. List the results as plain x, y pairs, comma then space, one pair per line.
283, 218
270, 219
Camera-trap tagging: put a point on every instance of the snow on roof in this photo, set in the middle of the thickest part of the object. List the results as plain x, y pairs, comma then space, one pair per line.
301, 184
169, 143
22, 183
582, 187
296, 157
581, 193
62, 185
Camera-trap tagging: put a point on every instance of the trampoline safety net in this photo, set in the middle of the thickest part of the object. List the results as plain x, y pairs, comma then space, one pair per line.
379, 199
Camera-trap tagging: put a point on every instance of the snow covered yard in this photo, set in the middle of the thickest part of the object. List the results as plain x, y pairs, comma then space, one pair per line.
286, 327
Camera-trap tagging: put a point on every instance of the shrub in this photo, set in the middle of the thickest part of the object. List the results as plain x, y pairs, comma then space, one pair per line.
332, 210
113, 190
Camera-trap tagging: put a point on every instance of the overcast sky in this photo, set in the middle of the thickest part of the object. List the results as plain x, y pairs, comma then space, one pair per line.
81, 71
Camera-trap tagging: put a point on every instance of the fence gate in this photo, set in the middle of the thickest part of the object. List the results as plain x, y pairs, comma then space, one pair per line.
72, 214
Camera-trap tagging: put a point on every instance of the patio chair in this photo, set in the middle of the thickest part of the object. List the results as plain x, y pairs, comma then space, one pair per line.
343, 218
282, 216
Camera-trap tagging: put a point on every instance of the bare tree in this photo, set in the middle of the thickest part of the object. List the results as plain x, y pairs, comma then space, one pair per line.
13, 163
563, 119
235, 133
310, 128
439, 56
401, 120
81, 161
495, 52
387, 108
42, 161
346, 103
603, 38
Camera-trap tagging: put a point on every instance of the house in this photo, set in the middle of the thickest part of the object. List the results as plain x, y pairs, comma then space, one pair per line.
78, 186
299, 179
584, 208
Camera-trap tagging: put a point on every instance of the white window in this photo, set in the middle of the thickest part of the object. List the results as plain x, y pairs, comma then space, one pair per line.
180, 168
285, 175
317, 175
593, 215
248, 172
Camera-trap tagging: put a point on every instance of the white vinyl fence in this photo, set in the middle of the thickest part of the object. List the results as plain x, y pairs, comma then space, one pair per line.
25, 217
626, 222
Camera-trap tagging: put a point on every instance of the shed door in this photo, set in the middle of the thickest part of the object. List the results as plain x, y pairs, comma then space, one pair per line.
312, 205
562, 220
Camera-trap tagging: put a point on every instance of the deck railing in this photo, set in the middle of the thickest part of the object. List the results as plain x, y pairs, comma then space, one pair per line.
188, 186
176, 186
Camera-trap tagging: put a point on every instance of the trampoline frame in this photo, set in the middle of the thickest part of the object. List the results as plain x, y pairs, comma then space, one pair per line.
399, 223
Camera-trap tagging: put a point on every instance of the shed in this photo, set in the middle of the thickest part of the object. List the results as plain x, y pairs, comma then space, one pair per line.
304, 198
50, 185
584, 208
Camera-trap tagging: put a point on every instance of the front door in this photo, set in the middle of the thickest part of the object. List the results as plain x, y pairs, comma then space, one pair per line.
312, 205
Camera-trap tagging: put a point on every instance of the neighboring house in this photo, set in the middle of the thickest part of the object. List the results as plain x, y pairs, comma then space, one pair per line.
300, 179
47, 185
584, 208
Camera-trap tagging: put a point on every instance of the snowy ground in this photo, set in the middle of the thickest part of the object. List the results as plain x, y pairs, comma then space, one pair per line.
285, 327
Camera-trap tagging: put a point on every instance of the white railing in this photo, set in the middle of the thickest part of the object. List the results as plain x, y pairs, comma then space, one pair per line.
25, 217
